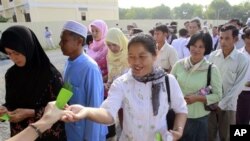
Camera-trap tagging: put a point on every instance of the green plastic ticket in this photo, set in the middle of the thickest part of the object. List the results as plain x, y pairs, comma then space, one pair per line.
5, 117
63, 97
158, 137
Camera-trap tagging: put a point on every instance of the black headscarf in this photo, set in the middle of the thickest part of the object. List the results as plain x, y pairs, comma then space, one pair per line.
25, 85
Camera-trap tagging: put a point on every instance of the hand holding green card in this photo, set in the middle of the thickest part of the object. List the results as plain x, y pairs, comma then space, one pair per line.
63, 97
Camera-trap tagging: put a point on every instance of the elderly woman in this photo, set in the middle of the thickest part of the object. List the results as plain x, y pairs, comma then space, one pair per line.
143, 116
191, 73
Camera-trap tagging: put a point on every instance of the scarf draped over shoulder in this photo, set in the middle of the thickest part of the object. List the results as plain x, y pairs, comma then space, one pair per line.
25, 85
117, 62
157, 86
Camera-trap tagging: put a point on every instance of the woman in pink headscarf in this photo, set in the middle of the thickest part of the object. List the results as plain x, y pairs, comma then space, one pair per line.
98, 49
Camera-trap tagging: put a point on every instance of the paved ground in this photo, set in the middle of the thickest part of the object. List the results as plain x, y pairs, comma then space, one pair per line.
56, 58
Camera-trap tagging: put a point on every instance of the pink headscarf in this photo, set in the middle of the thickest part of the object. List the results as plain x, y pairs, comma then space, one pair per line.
98, 49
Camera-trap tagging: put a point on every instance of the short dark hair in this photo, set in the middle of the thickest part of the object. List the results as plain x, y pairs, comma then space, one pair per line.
246, 33
162, 28
173, 28
237, 21
89, 39
151, 31
231, 27
219, 27
146, 40
215, 27
197, 21
136, 30
174, 23
183, 32
205, 38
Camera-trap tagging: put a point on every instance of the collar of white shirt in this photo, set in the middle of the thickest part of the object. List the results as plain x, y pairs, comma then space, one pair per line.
232, 55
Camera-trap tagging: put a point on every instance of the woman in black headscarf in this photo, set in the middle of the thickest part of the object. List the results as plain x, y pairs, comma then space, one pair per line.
30, 83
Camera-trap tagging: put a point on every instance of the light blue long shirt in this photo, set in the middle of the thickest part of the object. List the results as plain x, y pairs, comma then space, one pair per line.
85, 77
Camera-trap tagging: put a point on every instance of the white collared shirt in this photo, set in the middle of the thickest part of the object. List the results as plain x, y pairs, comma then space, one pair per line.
240, 43
167, 57
233, 70
215, 40
180, 45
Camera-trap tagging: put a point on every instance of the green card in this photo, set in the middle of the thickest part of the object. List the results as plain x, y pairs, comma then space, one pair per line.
5, 117
63, 97
158, 137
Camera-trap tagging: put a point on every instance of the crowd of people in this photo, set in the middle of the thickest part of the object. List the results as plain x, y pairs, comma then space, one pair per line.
119, 82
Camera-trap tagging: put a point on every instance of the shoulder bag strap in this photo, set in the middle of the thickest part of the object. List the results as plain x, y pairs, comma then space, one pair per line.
209, 74
168, 88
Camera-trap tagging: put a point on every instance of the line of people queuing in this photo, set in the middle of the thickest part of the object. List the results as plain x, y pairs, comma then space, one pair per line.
125, 80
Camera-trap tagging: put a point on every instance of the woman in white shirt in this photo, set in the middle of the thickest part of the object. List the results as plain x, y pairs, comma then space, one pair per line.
142, 94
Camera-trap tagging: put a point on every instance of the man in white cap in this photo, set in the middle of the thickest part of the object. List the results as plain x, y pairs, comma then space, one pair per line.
83, 74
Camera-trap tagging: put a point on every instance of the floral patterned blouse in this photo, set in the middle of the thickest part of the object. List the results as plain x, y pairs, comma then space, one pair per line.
139, 122
57, 132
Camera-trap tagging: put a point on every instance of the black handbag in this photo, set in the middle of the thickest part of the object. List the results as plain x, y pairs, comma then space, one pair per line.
171, 114
211, 107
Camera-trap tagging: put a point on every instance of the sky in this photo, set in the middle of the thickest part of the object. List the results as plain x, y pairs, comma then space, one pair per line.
169, 3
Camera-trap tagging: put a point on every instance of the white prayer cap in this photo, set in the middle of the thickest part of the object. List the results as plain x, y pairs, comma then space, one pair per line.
76, 27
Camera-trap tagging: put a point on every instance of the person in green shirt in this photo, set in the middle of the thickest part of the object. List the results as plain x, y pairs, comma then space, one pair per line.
191, 74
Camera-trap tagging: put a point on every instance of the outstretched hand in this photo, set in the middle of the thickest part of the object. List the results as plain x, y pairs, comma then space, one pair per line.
75, 113
51, 113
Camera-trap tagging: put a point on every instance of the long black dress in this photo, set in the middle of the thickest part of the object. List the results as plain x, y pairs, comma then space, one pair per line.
33, 85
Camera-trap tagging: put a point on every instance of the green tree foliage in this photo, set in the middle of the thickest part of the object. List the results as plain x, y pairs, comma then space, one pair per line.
161, 12
217, 9
137, 13
243, 11
187, 11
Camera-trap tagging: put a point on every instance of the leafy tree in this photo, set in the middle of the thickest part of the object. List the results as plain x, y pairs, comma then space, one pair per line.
161, 12
219, 9
187, 11
130, 14
241, 11
122, 13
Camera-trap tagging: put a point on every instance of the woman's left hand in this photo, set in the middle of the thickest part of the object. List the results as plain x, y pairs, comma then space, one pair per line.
20, 114
190, 99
